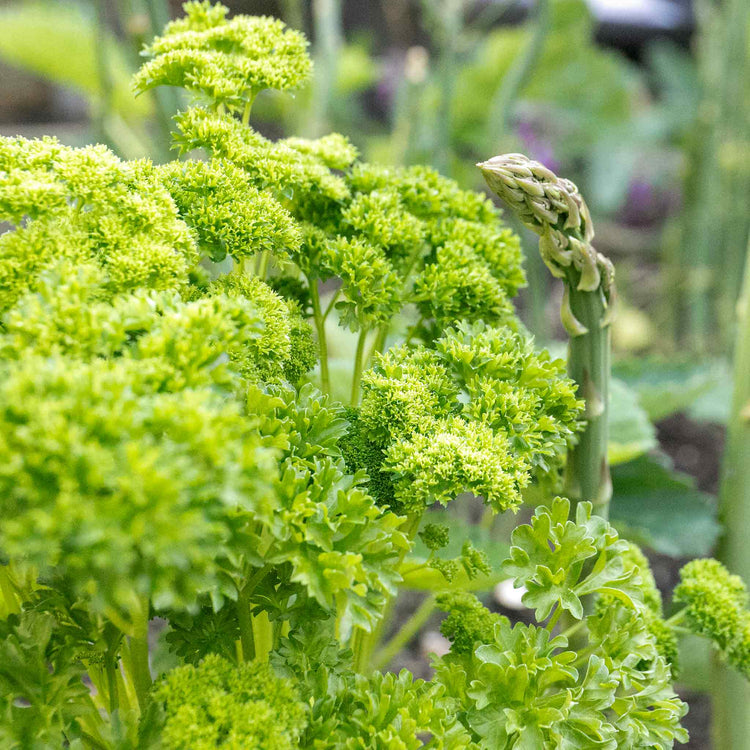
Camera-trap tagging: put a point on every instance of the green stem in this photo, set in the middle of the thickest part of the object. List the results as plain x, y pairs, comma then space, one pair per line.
363, 642
332, 303
500, 108
407, 631
104, 73
731, 691
111, 667
327, 46
320, 328
263, 264
359, 357
245, 622
11, 601
244, 619
262, 636
555, 617
379, 343
410, 333
141, 673
587, 475
167, 98
246, 111
572, 630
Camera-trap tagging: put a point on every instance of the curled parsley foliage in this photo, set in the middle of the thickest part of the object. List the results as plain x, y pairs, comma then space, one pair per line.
717, 607
164, 451
522, 686
559, 561
85, 205
481, 412
219, 704
228, 62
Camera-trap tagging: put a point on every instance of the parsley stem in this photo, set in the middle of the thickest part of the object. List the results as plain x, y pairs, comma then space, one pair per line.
363, 643
555, 617
320, 328
574, 628
245, 622
263, 264
248, 638
410, 333
676, 618
407, 631
141, 672
111, 667
8, 591
359, 356
246, 111
331, 303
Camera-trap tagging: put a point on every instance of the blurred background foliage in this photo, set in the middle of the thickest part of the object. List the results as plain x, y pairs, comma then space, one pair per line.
645, 105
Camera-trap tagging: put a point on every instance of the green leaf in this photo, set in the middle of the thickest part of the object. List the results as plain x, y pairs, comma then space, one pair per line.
665, 387
631, 434
662, 508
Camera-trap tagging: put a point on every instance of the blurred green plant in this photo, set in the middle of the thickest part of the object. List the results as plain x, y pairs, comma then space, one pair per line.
38, 36
733, 698
705, 246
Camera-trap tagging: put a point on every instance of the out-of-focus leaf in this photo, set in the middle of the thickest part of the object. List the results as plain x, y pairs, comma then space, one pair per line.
695, 663
675, 77
665, 387
661, 508
715, 404
631, 434
58, 41
560, 81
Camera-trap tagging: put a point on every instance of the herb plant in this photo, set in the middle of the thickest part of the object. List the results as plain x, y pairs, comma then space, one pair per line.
173, 445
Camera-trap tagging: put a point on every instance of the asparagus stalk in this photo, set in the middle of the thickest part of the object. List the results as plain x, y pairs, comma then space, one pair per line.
732, 692
554, 209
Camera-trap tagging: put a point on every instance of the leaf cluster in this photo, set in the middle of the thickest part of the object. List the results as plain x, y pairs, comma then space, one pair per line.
521, 686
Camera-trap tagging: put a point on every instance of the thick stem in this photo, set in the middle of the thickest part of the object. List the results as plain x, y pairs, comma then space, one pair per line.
262, 636
245, 621
320, 328
731, 694
246, 111
111, 667
11, 603
587, 475
141, 672
359, 357
263, 261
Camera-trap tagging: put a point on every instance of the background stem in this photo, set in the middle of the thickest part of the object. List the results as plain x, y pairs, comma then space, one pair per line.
406, 632
731, 693
498, 119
